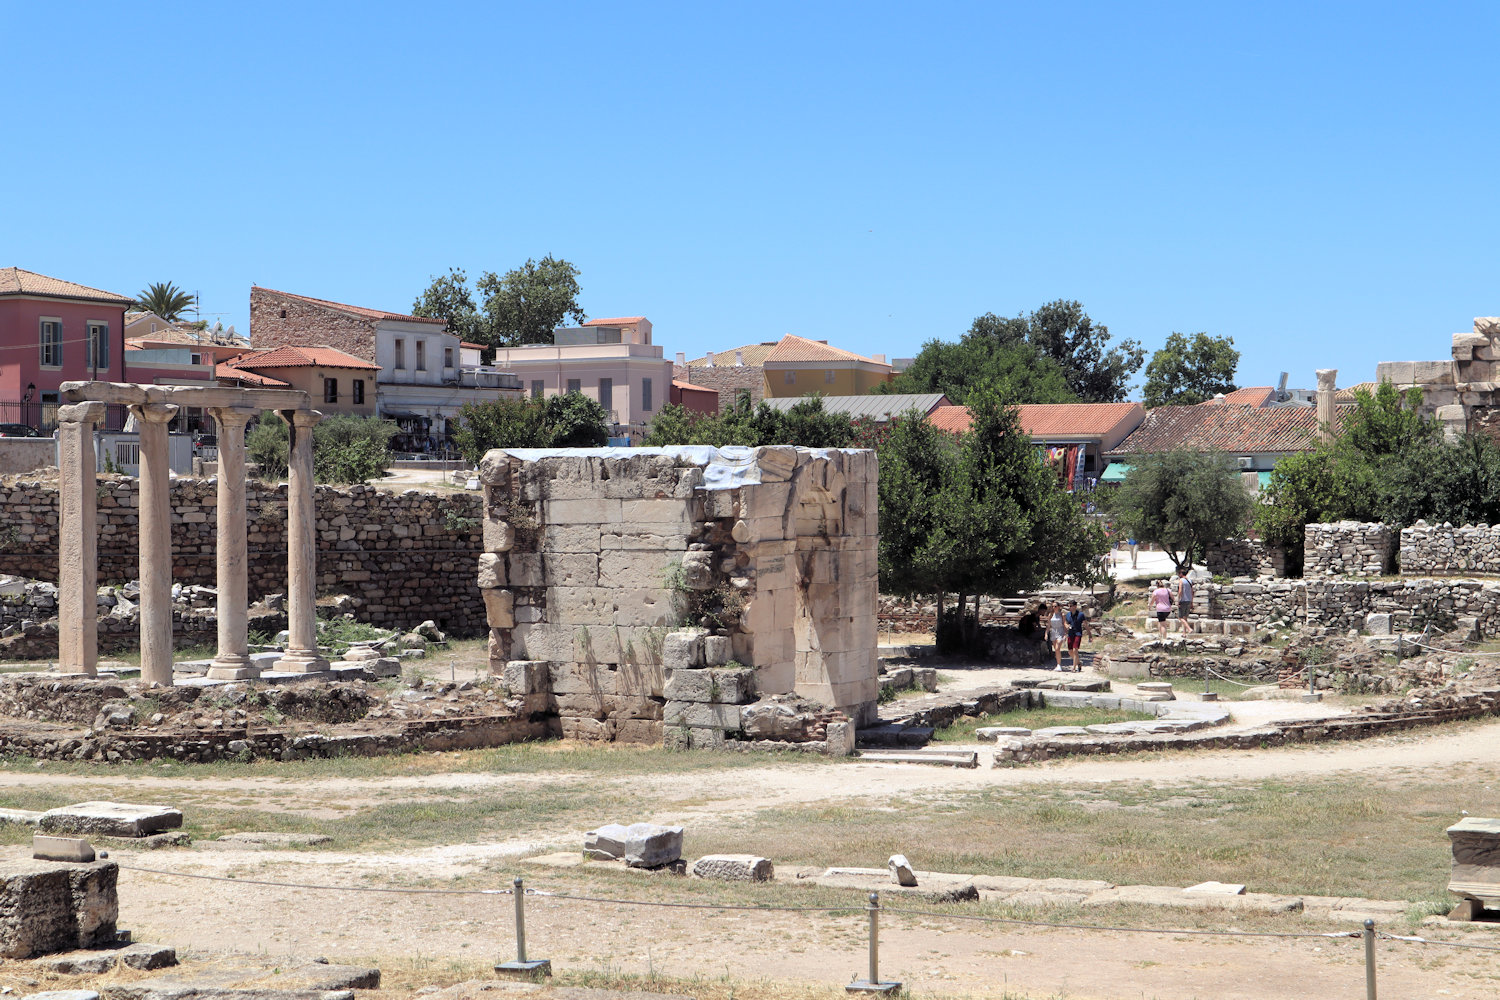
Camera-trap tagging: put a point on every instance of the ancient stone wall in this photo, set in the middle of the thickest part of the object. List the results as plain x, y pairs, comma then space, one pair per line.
680, 587
728, 380
278, 320
1444, 550
403, 557
1344, 604
1246, 557
1349, 548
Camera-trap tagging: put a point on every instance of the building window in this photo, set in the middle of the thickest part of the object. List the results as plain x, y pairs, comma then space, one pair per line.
607, 394
575, 385
359, 391
791, 378
197, 359
645, 395
330, 390
447, 357
538, 388
828, 376
421, 355
51, 343
400, 354
283, 316
99, 346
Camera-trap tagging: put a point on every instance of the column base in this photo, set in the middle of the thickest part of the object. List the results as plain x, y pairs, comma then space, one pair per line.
233, 668
301, 661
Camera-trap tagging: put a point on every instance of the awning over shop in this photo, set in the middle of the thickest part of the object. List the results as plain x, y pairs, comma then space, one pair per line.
1115, 473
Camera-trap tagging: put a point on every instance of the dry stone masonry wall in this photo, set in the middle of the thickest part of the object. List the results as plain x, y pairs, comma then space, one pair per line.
1349, 548
689, 592
1246, 557
1443, 550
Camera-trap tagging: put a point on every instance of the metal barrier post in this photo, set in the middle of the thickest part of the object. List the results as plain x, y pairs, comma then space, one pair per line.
1369, 960
522, 968
873, 984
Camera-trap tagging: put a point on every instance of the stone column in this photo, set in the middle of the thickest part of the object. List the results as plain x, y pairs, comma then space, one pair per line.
1327, 412
78, 539
155, 516
233, 660
301, 654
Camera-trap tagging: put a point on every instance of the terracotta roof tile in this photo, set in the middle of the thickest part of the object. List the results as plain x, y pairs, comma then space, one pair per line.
615, 321
227, 371
1258, 395
1051, 420
954, 419
792, 348
14, 281
471, 347
1243, 430
679, 384
355, 310
754, 356
301, 357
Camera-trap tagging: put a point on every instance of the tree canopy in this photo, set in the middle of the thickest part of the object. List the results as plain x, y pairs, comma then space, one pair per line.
1016, 370
1189, 370
166, 300
522, 306
346, 448
806, 423
1183, 501
569, 420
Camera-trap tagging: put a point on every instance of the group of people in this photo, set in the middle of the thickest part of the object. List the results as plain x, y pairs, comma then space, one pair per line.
1065, 631
1166, 594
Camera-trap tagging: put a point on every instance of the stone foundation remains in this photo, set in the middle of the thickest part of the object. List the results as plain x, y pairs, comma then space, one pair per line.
1349, 548
1443, 550
1462, 392
1246, 557
679, 588
46, 906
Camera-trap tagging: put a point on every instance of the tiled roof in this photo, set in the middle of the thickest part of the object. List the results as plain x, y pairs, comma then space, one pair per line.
471, 347
679, 384
226, 370
614, 321
1242, 430
793, 348
754, 356
1346, 394
355, 310
1051, 420
1258, 395
14, 281
302, 357
879, 407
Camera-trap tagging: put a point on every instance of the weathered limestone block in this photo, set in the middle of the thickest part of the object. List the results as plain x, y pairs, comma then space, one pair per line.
717, 649
523, 677
734, 868
698, 570
499, 535
494, 468
776, 463
48, 907
570, 569
703, 715
901, 870
633, 568
1476, 860
74, 849
111, 819
492, 571
499, 608
682, 650
640, 845
727, 687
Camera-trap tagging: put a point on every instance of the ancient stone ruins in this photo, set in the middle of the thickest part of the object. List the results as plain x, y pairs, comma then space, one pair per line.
1463, 391
593, 558
153, 407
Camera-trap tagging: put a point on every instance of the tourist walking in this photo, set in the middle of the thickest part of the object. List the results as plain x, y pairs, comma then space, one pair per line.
1135, 550
1184, 599
1057, 634
1077, 621
1161, 603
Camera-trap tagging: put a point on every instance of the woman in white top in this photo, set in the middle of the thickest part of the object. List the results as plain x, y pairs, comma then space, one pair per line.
1057, 634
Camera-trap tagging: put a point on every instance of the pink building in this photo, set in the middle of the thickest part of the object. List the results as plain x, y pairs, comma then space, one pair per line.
54, 331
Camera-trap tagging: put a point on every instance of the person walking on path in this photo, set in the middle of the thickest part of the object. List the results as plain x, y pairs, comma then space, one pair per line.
1057, 634
1135, 550
1184, 599
1161, 602
1077, 622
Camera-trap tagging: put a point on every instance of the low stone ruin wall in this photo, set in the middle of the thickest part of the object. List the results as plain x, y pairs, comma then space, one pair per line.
1444, 550
1344, 604
1246, 557
1349, 548
403, 557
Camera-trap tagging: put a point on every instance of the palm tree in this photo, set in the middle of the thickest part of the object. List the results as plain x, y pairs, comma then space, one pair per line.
166, 300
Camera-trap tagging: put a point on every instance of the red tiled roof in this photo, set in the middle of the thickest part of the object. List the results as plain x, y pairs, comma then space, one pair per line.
954, 419
1050, 420
1243, 430
301, 357
794, 348
1258, 395
226, 370
754, 356
14, 281
472, 347
614, 321
679, 384
355, 310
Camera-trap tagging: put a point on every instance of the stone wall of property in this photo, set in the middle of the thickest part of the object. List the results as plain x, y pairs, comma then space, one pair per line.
1246, 557
403, 557
278, 320
1344, 604
727, 380
1444, 550
675, 588
1349, 548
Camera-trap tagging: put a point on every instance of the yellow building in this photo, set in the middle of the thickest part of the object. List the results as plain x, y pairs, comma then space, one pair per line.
798, 366
337, 382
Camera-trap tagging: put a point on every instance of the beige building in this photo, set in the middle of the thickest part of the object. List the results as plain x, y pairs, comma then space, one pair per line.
335, 381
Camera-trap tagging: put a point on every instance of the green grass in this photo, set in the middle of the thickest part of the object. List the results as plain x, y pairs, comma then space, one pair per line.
1036, 718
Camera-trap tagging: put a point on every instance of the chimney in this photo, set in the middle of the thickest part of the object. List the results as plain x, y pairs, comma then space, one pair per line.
710, 363
879, 359
1326, 412
682, 359
739, 359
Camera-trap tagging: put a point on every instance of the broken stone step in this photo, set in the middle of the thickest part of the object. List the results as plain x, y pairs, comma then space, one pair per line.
989, 734
88, 963
111, 819
20, 817
935, 887
734, 868
943, 758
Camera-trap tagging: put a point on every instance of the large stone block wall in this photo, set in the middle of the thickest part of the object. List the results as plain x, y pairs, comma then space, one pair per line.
615, 583
1246, 557
403, 557
1344, 604
1349, 548
278, 320
1443, 550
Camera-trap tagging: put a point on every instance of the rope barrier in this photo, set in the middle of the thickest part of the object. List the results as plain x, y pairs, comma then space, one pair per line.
1241, 683
1415, 939
1126, 930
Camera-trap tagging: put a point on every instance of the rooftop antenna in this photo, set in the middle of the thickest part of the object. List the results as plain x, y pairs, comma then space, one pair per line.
1281, 394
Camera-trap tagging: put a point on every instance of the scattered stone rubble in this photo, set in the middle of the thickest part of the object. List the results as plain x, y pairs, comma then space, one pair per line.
639, 845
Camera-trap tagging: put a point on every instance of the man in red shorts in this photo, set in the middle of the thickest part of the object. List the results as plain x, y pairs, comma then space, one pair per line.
1077, 622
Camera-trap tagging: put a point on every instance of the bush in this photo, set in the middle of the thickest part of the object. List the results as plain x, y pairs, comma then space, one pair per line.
571, 420
346, 449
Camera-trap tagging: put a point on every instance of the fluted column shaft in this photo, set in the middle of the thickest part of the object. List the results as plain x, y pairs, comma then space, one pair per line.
233, 660
301, 548
155, 557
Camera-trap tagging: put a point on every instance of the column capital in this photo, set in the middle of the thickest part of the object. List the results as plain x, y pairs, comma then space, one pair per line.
154, 413
81, 413
233, 416
302, 418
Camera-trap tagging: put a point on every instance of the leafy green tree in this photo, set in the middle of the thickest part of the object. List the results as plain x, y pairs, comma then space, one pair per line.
1015, 369
1183, 501
1096, 372
1457, 482
448, 298
1191, 370
524, 305
346, 449
267, 445
575, 421
166, 300
570, 420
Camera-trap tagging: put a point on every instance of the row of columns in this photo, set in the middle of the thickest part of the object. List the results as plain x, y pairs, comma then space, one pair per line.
78, 530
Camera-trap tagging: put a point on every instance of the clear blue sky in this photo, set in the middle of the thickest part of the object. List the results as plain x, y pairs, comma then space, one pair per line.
1316, 180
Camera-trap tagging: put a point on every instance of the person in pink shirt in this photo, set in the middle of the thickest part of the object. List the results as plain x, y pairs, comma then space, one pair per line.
1161, 603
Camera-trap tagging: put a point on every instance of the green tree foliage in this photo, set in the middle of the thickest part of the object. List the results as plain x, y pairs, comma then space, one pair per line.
522, 306
1189, 370
570, 420
346, 449
1183, 501
1096, 372
807, 424
166, 300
